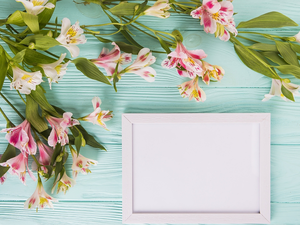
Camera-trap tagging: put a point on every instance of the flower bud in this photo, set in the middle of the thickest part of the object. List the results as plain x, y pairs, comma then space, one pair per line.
50, 33
286, 80
31, 45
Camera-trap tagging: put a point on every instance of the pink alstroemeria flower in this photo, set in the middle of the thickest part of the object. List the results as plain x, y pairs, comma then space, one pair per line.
98, 116
109, 59
59, 126
18, 166
212, 71
21, 137
216, 18
3, 178
187, 62
141, 66
45, 156
40, 198
191, 90
81, 164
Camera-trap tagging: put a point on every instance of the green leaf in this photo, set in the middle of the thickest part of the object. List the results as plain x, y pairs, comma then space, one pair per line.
41, 42
90, 70
46, 15
295, 47
264, 47
39, 97
16, 19
274, 57
3, 66
289, 95
289, 69
268, 20
31, 21
255, 61
287, 53
19, 56
33, 116
56, 152
9, 153
104, 40
124, 9
128, 47
178, 35
90, 140
142, 7
163, 44
78, 142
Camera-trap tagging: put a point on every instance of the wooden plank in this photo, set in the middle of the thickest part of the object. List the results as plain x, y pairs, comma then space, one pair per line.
108, 213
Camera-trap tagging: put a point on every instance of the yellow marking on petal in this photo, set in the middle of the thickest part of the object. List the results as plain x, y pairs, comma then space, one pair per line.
37, 2
26, 76
71, 32
99, 119
282, 95
195, 94
73, 41
215, 16
43, 200
58, 69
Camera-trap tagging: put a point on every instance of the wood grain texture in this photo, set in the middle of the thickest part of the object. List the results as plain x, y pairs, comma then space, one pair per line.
97, 197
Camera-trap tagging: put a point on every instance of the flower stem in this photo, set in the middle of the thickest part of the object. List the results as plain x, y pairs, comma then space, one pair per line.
11, 34
21, 97
239, 36
37, 162
8, 102
5, 117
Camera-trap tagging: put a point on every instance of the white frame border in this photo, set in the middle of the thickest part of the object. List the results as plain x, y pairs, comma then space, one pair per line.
262, 217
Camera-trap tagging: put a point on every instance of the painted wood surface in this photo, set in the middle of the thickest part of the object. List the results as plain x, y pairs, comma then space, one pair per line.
97, 197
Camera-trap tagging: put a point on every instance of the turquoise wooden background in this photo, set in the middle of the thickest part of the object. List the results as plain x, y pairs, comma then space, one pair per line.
97, 197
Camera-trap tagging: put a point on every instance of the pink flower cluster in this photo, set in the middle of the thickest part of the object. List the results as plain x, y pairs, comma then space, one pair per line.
112, 61
190, 63
21, 138
216, 17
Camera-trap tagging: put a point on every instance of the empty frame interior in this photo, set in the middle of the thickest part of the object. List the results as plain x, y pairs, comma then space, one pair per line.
195, 167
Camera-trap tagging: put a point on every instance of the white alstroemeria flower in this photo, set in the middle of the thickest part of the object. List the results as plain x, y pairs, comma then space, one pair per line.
24, 81
276, 89
55, 71
71, 36
40, 198
35, 7
159, 9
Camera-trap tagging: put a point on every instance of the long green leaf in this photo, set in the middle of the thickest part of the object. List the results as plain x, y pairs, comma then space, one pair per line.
287, 53
274, 57
268, 20
124, 9
9, 153
3, 66
264, 47
57, 151
33, 116
90, 70
42, 42
295, 47
255, 61
31, 21
289, 69
39, 97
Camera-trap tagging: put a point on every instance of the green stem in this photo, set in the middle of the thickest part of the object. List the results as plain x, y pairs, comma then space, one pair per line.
11, 34
5, 117
262, 34
37, 163
21, 97
239, 36
8, 102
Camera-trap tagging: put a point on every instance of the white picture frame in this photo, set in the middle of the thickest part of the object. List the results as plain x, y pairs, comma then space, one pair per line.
148, 164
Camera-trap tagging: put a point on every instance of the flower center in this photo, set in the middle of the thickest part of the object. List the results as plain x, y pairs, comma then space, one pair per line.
71, 32
58, 69
37, 2
26, 76
215, 16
